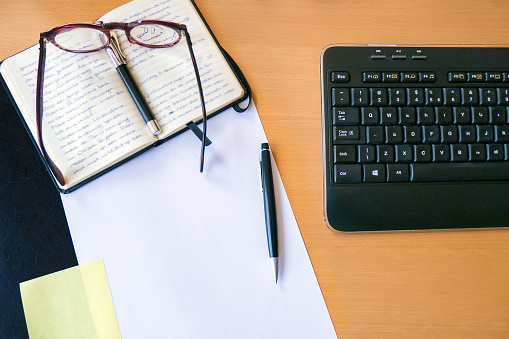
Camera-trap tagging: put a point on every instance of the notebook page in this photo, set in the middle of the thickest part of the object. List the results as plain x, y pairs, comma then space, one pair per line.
90, 120
166, 76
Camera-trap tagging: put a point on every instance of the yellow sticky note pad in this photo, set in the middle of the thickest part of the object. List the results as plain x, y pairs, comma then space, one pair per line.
73, 303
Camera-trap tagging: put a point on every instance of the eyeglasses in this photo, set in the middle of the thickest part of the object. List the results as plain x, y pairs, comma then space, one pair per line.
87, 37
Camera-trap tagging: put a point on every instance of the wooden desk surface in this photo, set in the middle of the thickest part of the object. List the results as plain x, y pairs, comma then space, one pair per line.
408, 284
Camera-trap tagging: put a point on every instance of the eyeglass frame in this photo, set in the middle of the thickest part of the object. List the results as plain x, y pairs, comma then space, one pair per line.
106, 28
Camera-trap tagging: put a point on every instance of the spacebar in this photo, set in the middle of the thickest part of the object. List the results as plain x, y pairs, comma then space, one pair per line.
461, 171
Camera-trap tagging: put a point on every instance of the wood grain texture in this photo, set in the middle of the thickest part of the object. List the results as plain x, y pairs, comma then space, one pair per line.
438, 284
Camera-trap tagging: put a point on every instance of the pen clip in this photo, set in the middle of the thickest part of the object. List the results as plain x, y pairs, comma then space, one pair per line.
115, 46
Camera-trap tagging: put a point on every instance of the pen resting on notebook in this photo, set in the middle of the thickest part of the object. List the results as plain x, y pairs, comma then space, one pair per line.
118, 60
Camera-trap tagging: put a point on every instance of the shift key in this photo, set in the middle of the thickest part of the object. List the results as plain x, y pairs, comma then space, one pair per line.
346, 134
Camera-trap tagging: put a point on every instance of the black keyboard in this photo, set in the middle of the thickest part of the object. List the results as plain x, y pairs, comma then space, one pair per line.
415, 137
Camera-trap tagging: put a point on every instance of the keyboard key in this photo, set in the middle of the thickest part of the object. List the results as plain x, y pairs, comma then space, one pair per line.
378, 96
440, 152
459, 171
443, 115
475, 77
495, 152
452, 96
415, 96
422, 153
457, 77
341, 77
388, 115
347, 174
374, 173
403, 153
390, 76
427, 77
370, 116
449, 134
502, 133
340, 97
497, 115
461, 115
412, 134
397, 97
346, 133
476, 152
485, 133
480, 115
409, 76
366, 154
502, 96
493, 77
425, 115
487, 96
344, 154
393, 135
459, 152
385, 154
374, 134
433, 96
467, 133
360, 97
397, 172
371, 77
345, 116
430, 134
469, 96
407, 115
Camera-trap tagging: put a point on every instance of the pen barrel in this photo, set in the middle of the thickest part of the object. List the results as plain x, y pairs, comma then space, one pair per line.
269, 202
138, 98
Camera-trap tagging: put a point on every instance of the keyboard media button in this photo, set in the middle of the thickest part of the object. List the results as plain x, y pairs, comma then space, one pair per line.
390, 76
371, 77
409, 77
427, 77
457, 77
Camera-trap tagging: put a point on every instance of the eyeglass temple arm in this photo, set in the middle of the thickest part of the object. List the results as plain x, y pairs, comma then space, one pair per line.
202, 99
39, 112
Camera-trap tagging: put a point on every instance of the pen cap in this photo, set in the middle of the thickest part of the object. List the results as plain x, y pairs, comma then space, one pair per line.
265, 146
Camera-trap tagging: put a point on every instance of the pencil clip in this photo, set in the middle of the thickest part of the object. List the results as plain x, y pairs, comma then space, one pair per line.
197, 131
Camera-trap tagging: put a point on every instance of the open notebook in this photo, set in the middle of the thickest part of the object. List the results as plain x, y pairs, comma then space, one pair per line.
91, 124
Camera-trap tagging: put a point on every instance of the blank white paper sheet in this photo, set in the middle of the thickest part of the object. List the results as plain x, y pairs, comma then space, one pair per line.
186, 252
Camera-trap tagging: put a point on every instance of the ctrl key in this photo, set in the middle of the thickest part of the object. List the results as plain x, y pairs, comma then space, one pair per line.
347, 174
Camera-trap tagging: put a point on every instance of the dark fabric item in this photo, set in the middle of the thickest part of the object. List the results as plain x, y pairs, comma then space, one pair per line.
34, 236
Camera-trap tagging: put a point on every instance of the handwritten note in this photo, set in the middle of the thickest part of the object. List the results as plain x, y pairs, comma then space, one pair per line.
90, 121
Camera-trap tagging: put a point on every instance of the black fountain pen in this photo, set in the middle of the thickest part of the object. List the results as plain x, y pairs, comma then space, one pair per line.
119, 60
269, 202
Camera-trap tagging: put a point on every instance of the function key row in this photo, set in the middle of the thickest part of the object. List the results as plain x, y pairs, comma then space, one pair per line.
419, 96
373, 77
426, 77
478, 77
